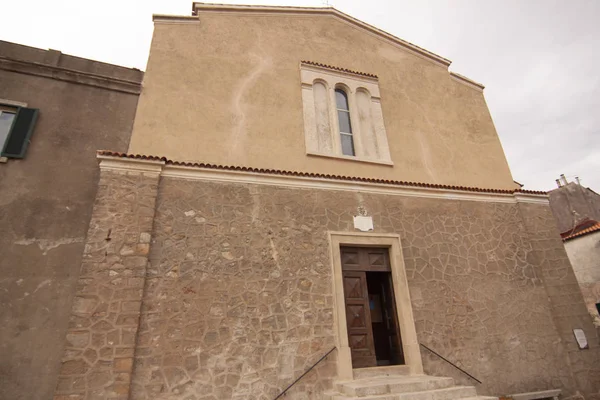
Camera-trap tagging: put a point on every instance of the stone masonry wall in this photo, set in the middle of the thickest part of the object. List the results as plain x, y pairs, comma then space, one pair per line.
238, 298
237, 302
104, 319
568, 307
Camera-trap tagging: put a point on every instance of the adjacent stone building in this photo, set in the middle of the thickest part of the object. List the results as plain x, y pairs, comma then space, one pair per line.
577, 212
303, 190
56, 110
573, 206
583, 249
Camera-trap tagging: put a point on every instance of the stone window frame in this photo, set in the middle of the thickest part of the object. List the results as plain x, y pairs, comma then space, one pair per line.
406, 322
353, 85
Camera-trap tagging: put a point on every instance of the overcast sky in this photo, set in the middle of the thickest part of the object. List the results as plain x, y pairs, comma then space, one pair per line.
539, 60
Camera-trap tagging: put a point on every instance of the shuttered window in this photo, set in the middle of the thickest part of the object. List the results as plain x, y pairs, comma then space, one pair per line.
16, 128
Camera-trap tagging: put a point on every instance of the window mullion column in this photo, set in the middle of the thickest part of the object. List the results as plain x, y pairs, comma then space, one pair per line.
354, 121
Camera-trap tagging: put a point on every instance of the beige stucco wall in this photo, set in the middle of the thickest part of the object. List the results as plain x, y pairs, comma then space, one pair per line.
584, 254
225, 88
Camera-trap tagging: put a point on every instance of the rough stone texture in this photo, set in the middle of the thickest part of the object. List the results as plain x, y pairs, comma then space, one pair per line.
104, 320
46, 201
227, 312
584, 254
238, 299
566, 301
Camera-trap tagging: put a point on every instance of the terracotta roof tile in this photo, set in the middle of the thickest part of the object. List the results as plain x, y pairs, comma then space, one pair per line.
593, 228
315, 175
316, 64
579, 226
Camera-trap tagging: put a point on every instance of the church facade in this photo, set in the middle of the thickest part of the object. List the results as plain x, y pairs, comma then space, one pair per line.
305, 192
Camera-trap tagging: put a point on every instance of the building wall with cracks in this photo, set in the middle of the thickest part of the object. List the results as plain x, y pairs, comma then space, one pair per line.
46, 201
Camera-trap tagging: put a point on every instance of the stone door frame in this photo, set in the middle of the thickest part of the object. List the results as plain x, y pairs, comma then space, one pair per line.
410, 344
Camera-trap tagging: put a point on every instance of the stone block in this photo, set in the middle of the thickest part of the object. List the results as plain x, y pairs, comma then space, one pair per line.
84, 305
121, 390
74, 367
127, 320
145, 237
90, 355
78, 339
123, 364
98, 379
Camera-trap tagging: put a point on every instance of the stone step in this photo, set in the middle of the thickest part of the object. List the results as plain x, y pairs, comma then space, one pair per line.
453, 393
338, 396
372, 372
395, 384
480, 398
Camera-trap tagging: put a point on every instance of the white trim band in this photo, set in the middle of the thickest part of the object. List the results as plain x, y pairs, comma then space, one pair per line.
194, 173
113, 163
136, 165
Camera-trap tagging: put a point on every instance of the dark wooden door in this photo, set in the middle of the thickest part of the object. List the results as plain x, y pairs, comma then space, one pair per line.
358, 263
365, 259
358, 318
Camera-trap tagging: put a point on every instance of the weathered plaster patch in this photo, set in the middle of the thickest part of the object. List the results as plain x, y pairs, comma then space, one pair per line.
261, 65
46, 245
42, 284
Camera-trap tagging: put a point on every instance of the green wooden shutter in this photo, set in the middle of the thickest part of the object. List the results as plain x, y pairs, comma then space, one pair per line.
20, 133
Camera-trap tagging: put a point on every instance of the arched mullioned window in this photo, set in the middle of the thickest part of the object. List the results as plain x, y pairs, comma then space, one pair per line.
343, 114
329, 129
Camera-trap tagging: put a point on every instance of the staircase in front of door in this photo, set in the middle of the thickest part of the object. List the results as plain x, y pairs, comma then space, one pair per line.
395, 383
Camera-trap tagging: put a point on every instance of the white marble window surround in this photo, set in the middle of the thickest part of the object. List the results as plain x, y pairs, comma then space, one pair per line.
321, 125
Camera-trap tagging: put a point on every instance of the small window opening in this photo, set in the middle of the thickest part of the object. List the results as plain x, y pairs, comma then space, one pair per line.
7, 116
343, 114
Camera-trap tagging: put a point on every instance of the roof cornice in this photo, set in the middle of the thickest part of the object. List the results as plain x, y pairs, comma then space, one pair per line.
467, 81
227, 173
70, 75
174, 19
198, 7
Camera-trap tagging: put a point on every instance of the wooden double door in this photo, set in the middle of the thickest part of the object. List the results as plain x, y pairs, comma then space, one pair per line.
371, 315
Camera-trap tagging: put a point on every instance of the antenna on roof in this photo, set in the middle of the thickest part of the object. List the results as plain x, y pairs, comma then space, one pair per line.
326, 3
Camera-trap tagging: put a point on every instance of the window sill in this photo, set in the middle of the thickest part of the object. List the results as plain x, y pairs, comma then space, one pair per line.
350, 158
